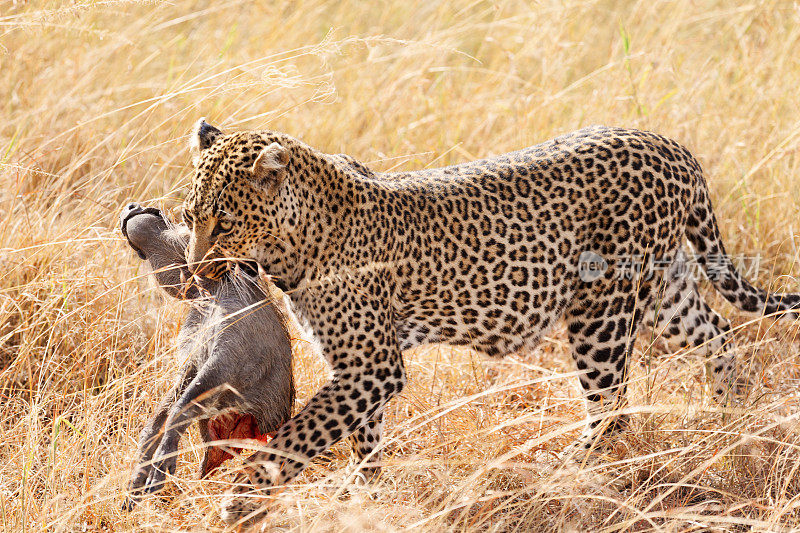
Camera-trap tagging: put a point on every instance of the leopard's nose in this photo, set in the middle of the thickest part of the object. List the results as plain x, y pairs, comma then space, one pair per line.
192, 265
193, 262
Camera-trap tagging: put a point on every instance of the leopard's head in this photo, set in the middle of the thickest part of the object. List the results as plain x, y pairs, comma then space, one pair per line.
240, 205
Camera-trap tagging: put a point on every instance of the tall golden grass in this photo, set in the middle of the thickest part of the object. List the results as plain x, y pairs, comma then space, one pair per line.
96, 100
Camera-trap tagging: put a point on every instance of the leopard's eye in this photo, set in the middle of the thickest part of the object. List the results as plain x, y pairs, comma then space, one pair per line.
223, 226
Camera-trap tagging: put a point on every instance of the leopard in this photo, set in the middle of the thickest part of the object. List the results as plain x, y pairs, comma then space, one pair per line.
490, 254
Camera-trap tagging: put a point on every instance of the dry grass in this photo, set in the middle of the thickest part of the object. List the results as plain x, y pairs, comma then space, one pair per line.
96, 99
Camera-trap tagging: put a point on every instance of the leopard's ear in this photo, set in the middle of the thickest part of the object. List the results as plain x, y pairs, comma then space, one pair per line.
269, 168
203, 135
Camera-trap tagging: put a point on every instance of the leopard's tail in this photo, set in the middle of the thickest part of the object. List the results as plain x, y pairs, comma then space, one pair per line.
703, 233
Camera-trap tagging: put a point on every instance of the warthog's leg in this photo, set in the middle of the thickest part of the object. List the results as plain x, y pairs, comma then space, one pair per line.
150, 436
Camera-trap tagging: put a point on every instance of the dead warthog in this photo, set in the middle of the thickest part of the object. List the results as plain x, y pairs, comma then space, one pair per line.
237, 381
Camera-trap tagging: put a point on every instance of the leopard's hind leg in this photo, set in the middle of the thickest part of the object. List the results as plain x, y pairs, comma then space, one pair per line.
681, 318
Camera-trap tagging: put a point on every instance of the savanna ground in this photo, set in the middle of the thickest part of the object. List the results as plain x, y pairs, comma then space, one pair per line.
97, 98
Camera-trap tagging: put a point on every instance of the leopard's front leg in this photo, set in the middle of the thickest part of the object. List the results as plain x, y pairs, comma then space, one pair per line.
367, 447
368, 372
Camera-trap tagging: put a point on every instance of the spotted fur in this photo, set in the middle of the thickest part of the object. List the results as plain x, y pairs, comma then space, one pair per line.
484, 254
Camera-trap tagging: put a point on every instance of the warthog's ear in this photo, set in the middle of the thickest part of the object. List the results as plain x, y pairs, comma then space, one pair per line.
203, 135
269, 168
